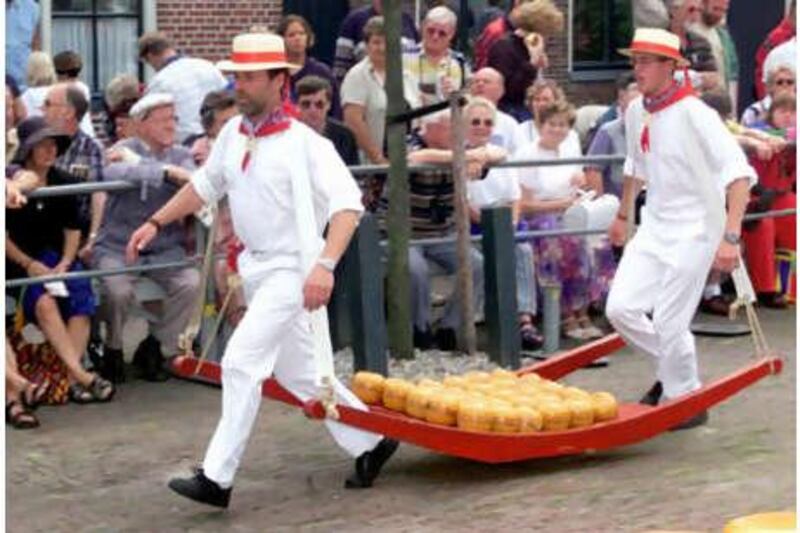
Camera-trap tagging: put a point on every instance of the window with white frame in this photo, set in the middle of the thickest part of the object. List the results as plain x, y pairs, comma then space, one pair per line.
103, 32
598, 29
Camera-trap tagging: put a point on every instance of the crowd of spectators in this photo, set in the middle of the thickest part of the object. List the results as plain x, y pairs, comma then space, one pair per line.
155, 135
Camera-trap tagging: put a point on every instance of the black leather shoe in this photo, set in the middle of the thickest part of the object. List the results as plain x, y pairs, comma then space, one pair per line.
369, 464
112, 365
149, 361
446, 339
773, 300
201, 489
653, 396
699, 419
423, 339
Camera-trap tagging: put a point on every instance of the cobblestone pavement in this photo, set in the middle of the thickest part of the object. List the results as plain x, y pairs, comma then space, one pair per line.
104, 467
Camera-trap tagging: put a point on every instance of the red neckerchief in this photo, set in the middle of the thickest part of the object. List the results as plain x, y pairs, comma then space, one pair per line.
275, 122
675, 93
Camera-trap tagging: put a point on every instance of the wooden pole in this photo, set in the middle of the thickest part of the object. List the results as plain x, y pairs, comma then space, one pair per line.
397, 220
466, 330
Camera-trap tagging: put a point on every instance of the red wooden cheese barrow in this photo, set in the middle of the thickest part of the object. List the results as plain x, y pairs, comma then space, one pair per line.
635, 422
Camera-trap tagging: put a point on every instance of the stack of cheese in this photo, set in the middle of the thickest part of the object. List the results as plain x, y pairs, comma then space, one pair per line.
500, 401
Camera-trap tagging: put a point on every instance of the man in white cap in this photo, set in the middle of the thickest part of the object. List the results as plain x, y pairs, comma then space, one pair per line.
692, 167
160, 167
284, 183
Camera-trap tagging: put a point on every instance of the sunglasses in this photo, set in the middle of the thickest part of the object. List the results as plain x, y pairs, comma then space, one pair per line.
306, 104
436, 32
487, 122
784, 82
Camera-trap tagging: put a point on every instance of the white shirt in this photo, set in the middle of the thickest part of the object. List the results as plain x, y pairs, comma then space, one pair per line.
500, 187
188, 80
548, 182
680, 134
262, 208
528, 133
33, 98
504, 133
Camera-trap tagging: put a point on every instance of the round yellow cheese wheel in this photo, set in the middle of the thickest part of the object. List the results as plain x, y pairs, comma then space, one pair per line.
582, 412
506, 420
458, 382
474, 415
426, 382
368, 386
530, 420
605, 406
575, 393
443, 407
395, 392
503, 373
476, 376
417, 401
555, 416
531, 377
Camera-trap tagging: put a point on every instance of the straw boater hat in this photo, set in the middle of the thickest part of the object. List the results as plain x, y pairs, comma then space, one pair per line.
257, 51
657, 42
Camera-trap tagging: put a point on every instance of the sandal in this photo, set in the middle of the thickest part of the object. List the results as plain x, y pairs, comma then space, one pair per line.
99, 391
19, 417
590, 331
34, 394
530, 336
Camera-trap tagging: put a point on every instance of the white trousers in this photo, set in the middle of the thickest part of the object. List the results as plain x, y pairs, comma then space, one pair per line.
663, 272
273, 338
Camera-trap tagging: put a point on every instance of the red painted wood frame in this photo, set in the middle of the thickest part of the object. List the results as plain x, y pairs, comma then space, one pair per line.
635, 422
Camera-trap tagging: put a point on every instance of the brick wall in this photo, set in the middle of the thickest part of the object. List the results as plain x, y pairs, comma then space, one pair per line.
205, 28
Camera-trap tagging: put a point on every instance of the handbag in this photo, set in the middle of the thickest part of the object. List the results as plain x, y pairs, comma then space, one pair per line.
38, 362
591, 213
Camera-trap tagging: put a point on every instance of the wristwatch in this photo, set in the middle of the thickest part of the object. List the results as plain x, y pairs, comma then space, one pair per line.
732, 238
327, 263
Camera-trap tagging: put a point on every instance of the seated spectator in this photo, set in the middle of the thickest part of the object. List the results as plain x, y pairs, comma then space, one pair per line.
22, 396
437, 68
187, 79
623, 82
780, 80
783, 32
12, 141
695, 48
314, 104
68, 65
121, 94
777, 181
546, 193
521, 54
42, 239
542, 94
431, 198
218, 107
610, 140
488, 83
713, 28
299, 38
40, 76
160, 167
19, 106
364, 98
500, 187
64, 108
351, 44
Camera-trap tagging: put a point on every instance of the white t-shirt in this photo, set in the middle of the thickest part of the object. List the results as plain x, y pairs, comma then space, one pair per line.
546, 182
680, 135
504, 133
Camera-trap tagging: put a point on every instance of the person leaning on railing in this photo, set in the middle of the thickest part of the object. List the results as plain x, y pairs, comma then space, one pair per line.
42, 239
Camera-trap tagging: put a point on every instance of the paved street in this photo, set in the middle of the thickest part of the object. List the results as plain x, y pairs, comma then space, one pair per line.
104, 467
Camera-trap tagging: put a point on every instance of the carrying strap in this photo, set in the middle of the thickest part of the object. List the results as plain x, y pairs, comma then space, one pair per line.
310, 248
189, 334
